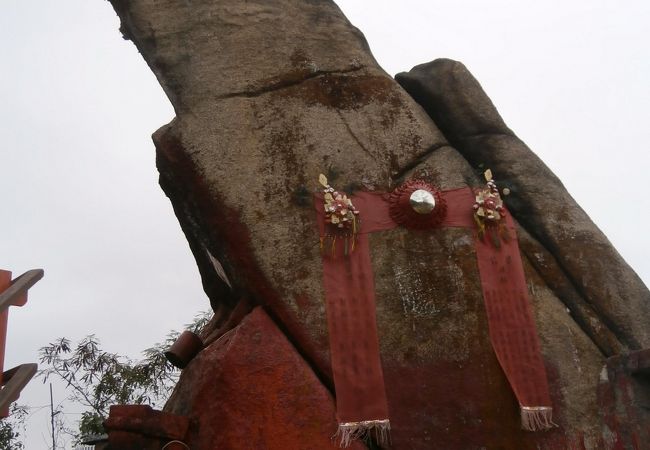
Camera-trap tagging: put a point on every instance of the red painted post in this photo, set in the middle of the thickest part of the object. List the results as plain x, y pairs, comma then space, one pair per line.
13, 293
5, 282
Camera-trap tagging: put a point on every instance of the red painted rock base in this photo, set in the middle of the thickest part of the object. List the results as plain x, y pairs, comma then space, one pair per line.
251, 389
624, 397
139, 427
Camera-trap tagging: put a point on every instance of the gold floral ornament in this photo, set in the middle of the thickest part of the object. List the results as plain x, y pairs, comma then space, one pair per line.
341, 219
489, 212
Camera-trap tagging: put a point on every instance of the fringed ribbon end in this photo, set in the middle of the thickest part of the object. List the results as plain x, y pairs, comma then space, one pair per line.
351, 431
537, 418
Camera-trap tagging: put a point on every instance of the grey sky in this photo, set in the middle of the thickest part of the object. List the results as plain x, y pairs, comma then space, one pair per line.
79, 185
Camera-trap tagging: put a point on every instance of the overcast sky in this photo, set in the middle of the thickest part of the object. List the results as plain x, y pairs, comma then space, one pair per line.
79, 185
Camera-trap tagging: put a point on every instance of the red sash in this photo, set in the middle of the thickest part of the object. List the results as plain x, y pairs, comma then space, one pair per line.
348, 281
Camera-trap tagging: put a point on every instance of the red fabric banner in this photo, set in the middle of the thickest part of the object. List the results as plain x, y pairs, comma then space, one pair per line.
350, 302
354, 346
375, 216
512, 328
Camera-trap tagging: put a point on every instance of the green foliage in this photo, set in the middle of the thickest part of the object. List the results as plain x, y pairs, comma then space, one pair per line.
97, 379
12, 428
90, 423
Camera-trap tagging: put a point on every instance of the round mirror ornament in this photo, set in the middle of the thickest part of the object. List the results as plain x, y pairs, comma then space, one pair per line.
417, 204
422, 201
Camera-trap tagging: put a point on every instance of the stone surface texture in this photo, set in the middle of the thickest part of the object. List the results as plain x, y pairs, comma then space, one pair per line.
455, 101
139, 427
250, 389
270, 93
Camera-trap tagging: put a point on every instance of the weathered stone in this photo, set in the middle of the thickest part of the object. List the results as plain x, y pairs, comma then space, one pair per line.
624, 398
268, 94
251, 389
459, 106
145, 421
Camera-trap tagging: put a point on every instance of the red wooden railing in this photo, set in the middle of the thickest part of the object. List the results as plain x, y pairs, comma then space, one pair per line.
13, 293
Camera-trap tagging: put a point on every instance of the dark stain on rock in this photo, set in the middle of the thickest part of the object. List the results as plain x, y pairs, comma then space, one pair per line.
229, 240
345, 92
302, 197
281, 150
332, 174
388, 118
393, 163
299, 59
352, 187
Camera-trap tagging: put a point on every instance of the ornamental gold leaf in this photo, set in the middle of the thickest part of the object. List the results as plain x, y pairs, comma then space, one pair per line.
322, 179
488, 175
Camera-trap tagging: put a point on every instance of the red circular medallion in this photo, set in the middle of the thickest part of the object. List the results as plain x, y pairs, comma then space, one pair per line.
417, 204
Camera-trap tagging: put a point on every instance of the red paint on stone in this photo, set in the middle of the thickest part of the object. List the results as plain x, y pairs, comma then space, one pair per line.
471, 406
126, 440
251, 389
303, 301
141, 427
453, 406
621, 398
227, 232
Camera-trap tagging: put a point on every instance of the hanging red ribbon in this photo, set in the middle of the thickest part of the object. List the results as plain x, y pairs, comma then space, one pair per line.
512, 329
354, 345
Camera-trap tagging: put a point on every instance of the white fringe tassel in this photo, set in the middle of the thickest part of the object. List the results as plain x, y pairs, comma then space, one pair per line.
537, 418
351, 431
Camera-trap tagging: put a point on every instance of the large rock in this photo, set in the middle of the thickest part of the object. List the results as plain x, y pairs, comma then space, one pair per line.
268, 94
251, 389
608, 288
